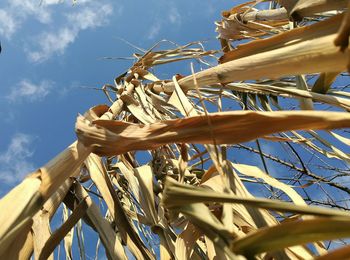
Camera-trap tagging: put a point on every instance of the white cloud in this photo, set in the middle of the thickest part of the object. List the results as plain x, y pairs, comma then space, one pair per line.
90, 17
50, 43
51, 2
55, 42
16, 12
86, 14
8, 24
26, 90
15, 160
154, 31
174, 16
24, 8
173, 19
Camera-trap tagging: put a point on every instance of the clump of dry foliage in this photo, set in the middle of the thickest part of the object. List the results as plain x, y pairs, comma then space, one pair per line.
246, 159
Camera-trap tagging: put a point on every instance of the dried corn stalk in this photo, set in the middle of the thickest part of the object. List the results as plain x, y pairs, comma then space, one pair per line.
222, 163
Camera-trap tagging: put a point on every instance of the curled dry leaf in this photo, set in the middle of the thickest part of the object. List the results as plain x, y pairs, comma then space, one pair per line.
304, 8
113, 137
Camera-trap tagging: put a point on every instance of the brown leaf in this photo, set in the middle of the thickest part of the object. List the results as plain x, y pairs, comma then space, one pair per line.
114, 137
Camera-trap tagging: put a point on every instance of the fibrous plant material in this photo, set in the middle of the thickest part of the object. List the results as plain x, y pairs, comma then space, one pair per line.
109, 137
221, 163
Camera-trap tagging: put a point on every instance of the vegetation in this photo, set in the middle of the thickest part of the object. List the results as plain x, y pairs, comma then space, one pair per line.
247, 159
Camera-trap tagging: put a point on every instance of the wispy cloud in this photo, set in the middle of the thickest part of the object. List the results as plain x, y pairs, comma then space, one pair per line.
52, 43
174, 16
26, 90
25, 8
154, 30
8, 24
55, 2
56, 42
60, 29
168, 16
16, 12
90, 17
15, 160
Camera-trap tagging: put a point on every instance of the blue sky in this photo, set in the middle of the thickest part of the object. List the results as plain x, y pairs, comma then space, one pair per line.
52, 57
